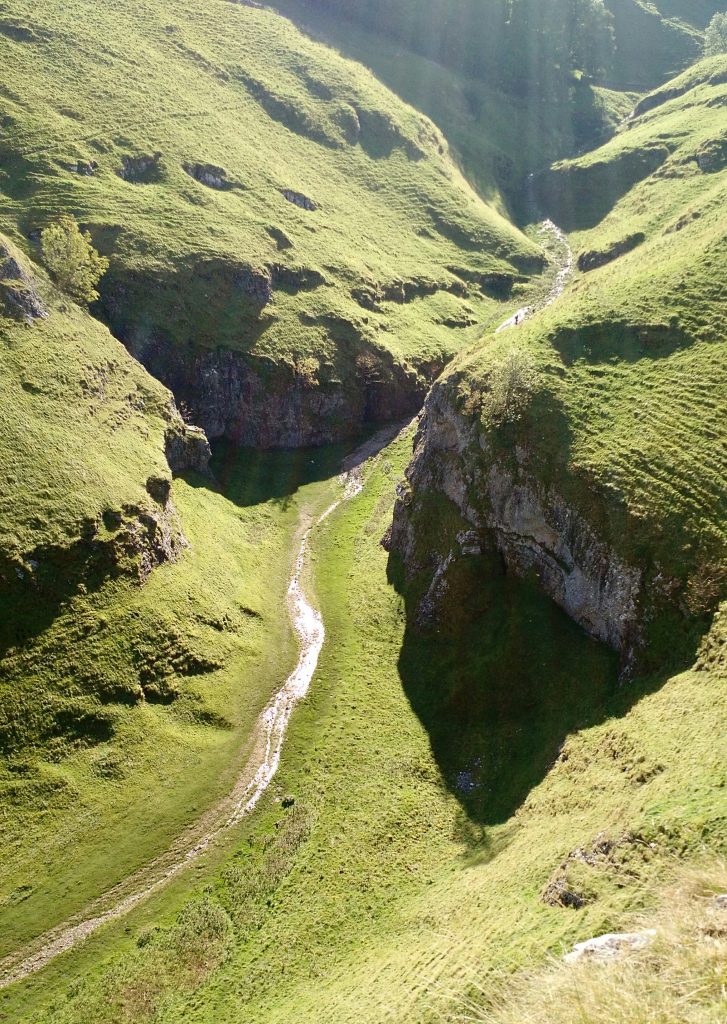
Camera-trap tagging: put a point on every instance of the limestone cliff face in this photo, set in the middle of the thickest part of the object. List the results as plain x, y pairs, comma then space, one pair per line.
266, 404
186, 447
500, 503
207, 356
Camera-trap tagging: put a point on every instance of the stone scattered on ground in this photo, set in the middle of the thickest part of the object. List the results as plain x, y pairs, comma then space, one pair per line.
608, 947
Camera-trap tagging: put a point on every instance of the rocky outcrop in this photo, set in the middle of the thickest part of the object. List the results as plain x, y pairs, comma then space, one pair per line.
86, 168
186, 447
595, 258
712, 155
501, 504
211, 176
611, 946
141, 170
18, 292
266, 404
147, 537
371, 294
131, 541
254, 399
299, 200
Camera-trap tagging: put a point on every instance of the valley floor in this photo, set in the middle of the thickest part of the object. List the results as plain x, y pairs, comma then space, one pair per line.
385, 871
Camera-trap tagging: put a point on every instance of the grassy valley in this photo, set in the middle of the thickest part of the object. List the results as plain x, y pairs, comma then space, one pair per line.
144, 624
318, 218
392, 881
124, 707
277, 221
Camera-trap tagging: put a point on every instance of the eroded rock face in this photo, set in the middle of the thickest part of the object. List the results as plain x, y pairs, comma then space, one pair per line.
211, 176
18, 292
248, 398
141, 170
270, 405
130, 542
148, 538
712, 156
186, 447
503, 505
299, 200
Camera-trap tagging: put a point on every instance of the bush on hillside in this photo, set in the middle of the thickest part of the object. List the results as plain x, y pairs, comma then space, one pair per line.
715, 38
512, 384
72, 260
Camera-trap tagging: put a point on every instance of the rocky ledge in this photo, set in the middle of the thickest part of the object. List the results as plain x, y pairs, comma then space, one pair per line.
489, 500
256, 399
19, 296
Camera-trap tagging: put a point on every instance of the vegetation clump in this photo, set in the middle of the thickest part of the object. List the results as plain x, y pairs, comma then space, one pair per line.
513, 381
72, 260
715, 38
680, 971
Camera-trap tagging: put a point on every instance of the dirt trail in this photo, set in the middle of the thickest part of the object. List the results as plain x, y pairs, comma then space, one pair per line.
565, 269
260, 768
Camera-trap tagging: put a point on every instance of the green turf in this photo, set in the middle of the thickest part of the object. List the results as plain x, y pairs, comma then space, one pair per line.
381, 892
239, 88
438, 781
134, 705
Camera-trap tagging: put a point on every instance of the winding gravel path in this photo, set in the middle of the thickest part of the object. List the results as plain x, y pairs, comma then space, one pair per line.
253, 781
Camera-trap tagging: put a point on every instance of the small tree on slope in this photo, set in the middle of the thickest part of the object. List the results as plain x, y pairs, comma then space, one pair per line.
715, 38
72, 260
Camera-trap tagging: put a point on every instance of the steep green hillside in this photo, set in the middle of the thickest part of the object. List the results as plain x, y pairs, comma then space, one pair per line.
497, 78
142, 621
512, 737
586, 446
657, 40
292, 250
415, 862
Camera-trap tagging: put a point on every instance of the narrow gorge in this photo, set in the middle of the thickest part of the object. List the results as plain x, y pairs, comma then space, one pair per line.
363, 520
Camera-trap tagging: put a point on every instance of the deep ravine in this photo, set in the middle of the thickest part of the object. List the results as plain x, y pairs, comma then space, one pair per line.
272, 726
565, 261
256, 776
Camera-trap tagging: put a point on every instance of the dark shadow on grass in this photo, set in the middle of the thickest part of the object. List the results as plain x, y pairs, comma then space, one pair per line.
251, 476
31, 601
609, 341
499, 684
499, 688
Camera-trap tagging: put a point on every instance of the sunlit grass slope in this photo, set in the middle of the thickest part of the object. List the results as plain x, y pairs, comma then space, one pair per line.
680, 975
378, 895
254, 190
124, 709
627, 415
449, 61
179, 133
